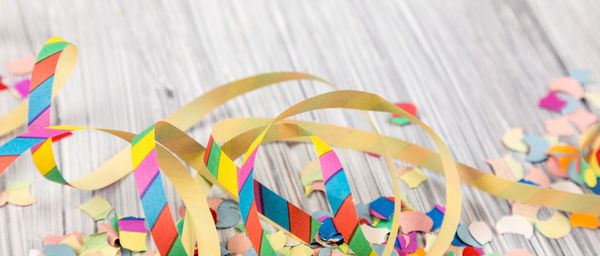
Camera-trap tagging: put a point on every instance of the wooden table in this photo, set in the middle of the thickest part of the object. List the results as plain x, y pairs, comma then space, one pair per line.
474, 69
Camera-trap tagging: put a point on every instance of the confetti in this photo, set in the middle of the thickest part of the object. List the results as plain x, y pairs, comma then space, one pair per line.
463, 233
18, 193
277, 240
362, 210
515, 167
379, 248
567, 85
515, 225
132, 233
528, 211
593, 98
96, 243
553, 166
58, 250
552, 102
584, 220
21, 89
581, 75
413, 177
382, 208
437, 215
513, 139
470, 251
239, 244
21, 66
566, 185
518, 252
556, 226
501, 169
572, 104
414, 221
375, 235
406, 106
537, 148
3, 198
481, 232
111, 234
97, 208
538, 176
2, 85
582, 119
401, 121
229, 214
559, 127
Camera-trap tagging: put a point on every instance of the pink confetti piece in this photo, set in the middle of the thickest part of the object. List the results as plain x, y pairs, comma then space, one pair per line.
552, 102
213, 203
410, 221
239, 244
373, 154
567, 85
559, 127
111, 234
525, 210
538, 176
501, 169
518, 252
582, 119
22, 88
21, 66
553, 166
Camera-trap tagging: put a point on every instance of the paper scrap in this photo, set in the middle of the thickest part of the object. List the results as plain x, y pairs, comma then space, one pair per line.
96, 243
559, 127
566, 185
21, 66
229, 214
518, 252
567, 85
3, 198
481, 232
515, 167
132, 233
21, 88
463, 233
97, 208
58, 250
553, 166
382, 208
437, 215
513, 139
593, 98
572, 104
239, 244
582, 119
277, 240
501, 169
537, 148
538, 176
552, 102
111, 234
515, 225
410, 221
584, 220
18, 193
413, 177
556, 226
375, 235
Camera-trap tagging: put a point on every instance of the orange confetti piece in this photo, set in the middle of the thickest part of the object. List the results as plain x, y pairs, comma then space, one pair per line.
584, 220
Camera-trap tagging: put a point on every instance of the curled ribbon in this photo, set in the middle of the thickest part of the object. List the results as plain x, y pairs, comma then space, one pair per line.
162, 147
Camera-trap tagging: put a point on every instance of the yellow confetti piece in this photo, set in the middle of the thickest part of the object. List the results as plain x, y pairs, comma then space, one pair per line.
3, 198
556, 226
515, 167
277, 240
18, 193
413, 177
97, 208
134, 241
513, 139
74, 242
592, 98
96, 244
301, 250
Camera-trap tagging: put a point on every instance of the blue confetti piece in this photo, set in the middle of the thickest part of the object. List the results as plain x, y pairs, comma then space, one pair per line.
528, 182
437, 216
581, 75
58, 250
463, 234
537, 148
572, 104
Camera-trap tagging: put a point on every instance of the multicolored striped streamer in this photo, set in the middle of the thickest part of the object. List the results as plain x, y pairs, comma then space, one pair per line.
162, 147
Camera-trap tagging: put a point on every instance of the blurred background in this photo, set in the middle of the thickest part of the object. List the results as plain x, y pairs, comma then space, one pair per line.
474, 69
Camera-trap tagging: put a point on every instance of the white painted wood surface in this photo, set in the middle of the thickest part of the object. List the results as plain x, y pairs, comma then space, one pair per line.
474, 68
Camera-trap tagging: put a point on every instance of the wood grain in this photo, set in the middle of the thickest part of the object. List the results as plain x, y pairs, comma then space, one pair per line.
474, 68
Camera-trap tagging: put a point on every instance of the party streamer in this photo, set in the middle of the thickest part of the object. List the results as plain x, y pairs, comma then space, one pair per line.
162, 147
